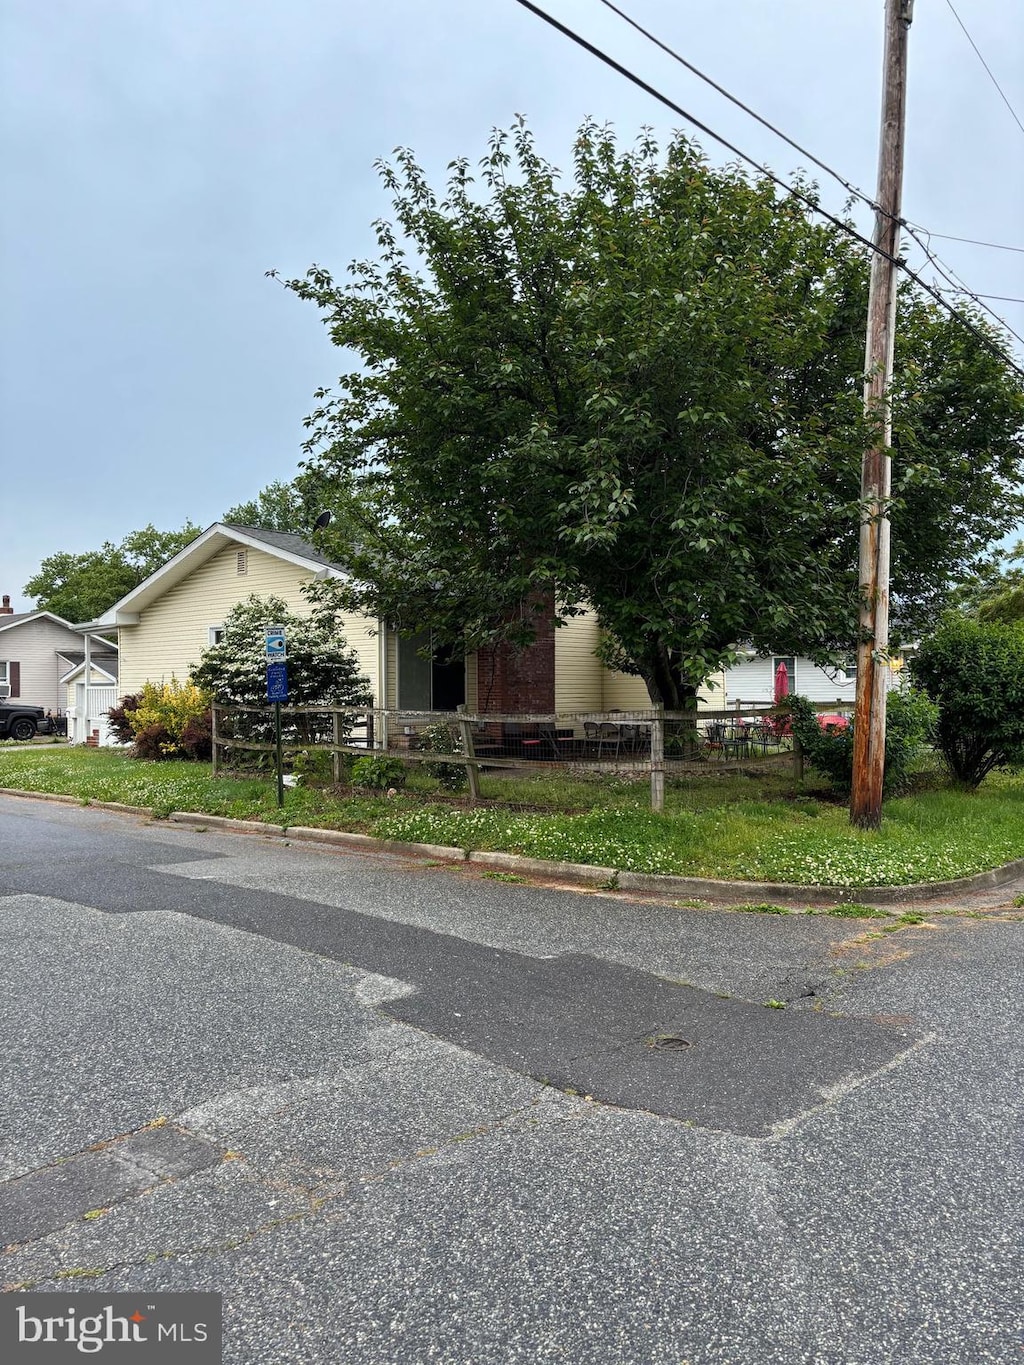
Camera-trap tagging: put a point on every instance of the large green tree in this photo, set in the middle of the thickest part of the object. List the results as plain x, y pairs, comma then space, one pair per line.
640, 390
278, 507
297, 506
80, 587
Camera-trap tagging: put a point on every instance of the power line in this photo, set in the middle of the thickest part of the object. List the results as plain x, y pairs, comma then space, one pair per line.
985, 64
797, 147
792, 190
805, 152
955, 283
971, 241
733, 99
1000, 298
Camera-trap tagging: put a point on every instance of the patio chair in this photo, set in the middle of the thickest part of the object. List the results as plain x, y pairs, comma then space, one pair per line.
761, 736
714, 739
601, 738
554, 743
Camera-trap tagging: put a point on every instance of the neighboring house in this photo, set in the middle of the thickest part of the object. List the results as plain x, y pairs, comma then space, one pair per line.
752, 679
165, 624
34, 648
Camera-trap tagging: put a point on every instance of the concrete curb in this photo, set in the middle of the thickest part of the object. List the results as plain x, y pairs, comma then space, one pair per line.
225, 822
584, 874
43, 796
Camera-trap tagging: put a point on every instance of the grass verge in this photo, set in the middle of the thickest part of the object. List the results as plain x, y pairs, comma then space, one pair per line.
757, 832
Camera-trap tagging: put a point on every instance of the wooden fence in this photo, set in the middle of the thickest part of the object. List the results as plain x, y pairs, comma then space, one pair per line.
653, 740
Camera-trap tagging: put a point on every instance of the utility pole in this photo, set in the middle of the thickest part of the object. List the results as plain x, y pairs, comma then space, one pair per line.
873, 646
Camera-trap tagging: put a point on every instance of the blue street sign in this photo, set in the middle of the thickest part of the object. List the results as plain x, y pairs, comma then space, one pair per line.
276, 649
277, 682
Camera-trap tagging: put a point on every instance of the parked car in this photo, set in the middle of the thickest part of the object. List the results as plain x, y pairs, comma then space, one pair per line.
21, 722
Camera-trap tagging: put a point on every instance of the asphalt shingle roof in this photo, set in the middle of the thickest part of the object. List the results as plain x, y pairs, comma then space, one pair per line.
284, 540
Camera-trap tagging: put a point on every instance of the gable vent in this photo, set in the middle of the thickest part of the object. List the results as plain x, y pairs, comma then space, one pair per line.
242, 561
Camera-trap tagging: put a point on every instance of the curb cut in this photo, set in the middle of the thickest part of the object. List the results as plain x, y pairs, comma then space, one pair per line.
584, 874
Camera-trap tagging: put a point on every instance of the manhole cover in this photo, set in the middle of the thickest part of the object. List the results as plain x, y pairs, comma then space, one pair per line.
668, 1042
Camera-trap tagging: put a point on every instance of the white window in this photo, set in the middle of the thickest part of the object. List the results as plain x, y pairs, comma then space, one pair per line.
216, 634
3, 671
242, 562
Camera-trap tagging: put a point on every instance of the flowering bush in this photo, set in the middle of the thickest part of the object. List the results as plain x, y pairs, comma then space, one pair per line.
166, 720
322, 670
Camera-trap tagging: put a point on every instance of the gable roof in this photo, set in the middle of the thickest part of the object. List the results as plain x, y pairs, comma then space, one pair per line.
102, 663
19, 618
220, 536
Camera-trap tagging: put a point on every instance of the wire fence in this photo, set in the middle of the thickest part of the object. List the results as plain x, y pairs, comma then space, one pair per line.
654, 741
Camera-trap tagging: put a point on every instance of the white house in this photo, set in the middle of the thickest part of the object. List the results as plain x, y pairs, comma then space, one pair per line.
752, 679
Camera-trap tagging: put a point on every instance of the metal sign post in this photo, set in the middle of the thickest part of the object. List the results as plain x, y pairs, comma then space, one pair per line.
277, 692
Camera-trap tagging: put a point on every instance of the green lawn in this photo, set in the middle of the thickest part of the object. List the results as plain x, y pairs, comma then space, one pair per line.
758, 829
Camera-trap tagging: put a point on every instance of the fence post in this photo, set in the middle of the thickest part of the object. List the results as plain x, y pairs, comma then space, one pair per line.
336, 753
658, 759
798, 760
472, 771
213, 736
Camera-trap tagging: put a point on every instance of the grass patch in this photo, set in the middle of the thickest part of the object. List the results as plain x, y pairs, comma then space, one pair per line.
761, 908
736, 827
854, 911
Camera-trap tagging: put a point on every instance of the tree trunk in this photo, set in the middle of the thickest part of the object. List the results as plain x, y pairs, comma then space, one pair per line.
667, 687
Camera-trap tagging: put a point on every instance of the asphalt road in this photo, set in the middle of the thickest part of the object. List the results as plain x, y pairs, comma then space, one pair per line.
401, 1113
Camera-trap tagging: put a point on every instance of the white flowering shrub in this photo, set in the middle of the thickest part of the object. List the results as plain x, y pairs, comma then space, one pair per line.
322, 670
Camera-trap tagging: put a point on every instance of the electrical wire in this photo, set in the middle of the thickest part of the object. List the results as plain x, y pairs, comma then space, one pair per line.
733, 99
792, 190
985, 64
810, 156
955, 283
790, 142
971, 241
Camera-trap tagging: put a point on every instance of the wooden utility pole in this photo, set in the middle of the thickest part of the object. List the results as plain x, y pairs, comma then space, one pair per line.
872, 650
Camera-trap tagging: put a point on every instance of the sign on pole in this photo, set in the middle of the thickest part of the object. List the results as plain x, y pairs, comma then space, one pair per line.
277, 682
276, 649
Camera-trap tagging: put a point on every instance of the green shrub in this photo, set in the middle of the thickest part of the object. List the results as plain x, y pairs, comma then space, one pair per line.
974, 673
316, 767
444, 739
910, 718
378, 772
168, 720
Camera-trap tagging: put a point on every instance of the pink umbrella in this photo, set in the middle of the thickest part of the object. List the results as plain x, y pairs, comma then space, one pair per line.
781, 682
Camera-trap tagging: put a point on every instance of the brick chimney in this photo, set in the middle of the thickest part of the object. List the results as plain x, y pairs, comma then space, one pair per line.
6, 609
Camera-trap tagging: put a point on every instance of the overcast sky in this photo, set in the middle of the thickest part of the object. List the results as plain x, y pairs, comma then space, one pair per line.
157, 158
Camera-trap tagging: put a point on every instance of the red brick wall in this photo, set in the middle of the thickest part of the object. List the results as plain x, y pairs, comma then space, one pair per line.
511, 681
